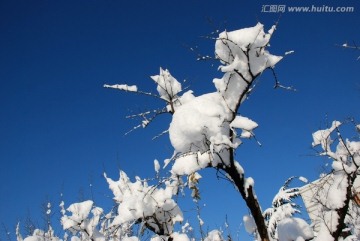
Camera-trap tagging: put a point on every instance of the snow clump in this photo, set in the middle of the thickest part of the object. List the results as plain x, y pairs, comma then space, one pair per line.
200, 128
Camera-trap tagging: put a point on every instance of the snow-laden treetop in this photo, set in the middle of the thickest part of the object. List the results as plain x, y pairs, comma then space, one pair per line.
244, 51
204, 127
206, 130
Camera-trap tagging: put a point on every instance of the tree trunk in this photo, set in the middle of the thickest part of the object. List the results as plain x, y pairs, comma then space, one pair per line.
249, 198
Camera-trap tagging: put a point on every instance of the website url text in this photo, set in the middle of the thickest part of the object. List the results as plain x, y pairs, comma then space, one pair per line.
308, 9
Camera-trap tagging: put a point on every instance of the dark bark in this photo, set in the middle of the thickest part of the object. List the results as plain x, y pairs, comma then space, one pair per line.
250, 200
248, 196
239, 179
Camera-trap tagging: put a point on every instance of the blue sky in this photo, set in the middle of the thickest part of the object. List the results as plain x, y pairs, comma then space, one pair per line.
60, 129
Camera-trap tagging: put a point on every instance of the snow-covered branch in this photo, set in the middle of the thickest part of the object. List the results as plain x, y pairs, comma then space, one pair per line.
335, 195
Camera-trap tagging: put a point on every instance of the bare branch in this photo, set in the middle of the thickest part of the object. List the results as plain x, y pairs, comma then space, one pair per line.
277, 82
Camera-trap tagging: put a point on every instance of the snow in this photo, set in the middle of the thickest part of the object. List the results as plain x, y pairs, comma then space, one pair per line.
303, 179
289, 52
62, 207
201, 222
249, 224
198, 130
132, 88
249, 183
345, 161
132, 238
201, 125
175, 237
186, 227
231, 49
326, 195
167, 86
156, 166
202, 131
245, 124
190, 163
157, 238
336, 192
180, 237
75, 238
186, 97
290, 229
139, 200
34, 238
214, 235
242, 122
322, 137
80, 212
239, 168
324, 234
196, 121
39, 235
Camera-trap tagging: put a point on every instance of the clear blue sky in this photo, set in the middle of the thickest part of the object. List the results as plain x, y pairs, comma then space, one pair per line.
60, 129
